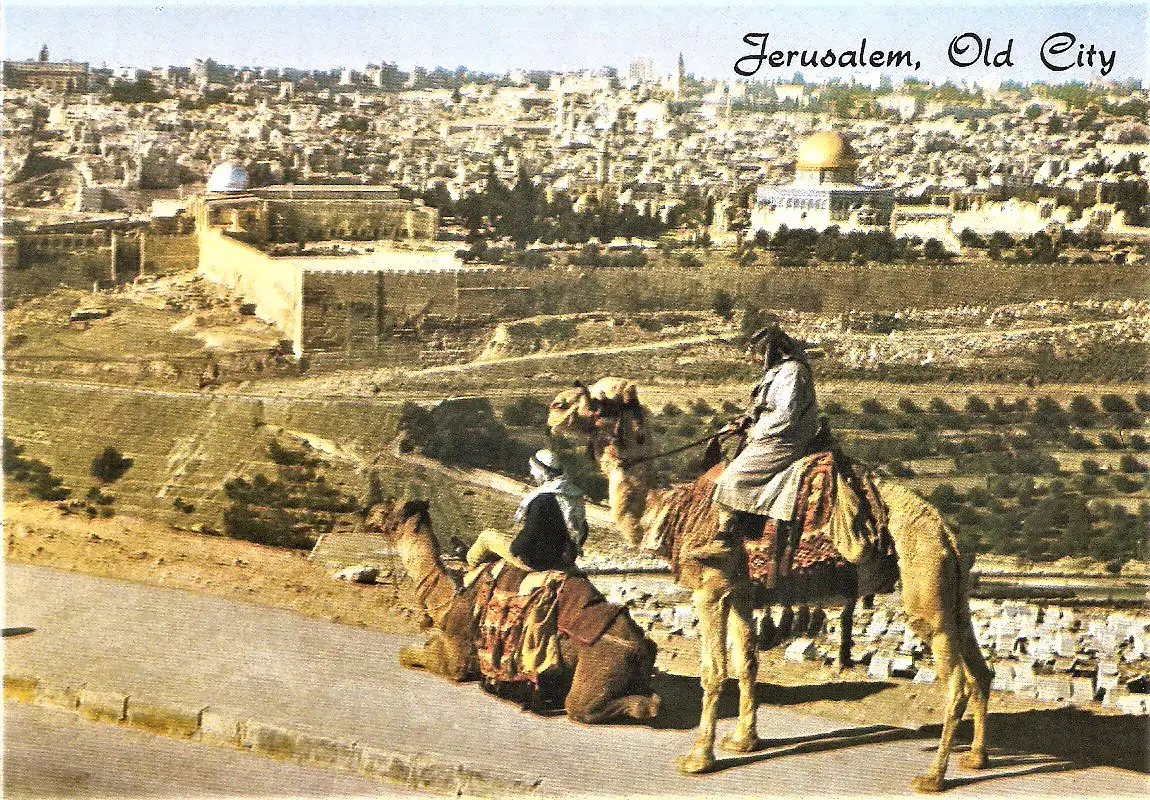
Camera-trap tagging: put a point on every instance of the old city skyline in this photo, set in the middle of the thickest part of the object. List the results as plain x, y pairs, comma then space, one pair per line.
533, 37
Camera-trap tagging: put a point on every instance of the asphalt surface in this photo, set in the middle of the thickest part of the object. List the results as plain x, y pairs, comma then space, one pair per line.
49, 752
345, 683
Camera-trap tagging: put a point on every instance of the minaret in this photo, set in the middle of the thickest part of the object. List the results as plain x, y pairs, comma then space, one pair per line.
604, 159
559, 114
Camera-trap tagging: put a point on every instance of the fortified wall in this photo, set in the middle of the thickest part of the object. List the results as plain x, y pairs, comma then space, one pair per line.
371, 274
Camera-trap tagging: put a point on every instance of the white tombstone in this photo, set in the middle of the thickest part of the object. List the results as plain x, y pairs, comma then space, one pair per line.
800, 650
926, 675
1003, 677
879, 667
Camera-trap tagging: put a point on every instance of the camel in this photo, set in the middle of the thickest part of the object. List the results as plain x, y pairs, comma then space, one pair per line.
680, 521
608, 679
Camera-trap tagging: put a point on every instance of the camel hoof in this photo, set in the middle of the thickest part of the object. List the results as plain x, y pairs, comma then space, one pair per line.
927, 784
410, 657
973, 760
740, 743
695, 763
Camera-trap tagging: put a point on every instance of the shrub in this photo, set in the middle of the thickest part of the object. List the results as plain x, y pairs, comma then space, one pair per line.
1125, 484
1048, 412
731, 408
907, 406
265, 526
900, 470
525, 412
42, 484
701, 408
180, 504
723, 304
287, 456
1091, 467
1036, 463
871, 423
939, 406
1111, 442
1129, 464
110, 465
1001, 486
1142, 401
976, 405
1076, 441
871, 406
1115, 404
834, 408
671, 410
1138, 442
945, 497
1083, 409
977, 496
687, 428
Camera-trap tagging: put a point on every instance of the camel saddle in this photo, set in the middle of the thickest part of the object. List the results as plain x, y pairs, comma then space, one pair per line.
520, 616
836, 542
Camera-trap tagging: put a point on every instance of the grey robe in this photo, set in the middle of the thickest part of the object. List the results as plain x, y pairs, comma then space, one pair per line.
786, 422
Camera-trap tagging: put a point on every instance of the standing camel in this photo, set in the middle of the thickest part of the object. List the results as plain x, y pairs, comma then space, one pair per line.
677, 522
608, 679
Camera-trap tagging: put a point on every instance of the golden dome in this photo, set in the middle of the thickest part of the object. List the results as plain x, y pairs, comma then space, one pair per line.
825, 150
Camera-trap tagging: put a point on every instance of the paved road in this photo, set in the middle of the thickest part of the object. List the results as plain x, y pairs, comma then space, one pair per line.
344, 683
49, 752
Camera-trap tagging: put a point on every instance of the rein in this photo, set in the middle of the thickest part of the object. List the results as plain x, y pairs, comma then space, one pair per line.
627, 462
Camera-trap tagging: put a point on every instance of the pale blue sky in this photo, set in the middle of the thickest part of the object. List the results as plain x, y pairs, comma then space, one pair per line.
495, 38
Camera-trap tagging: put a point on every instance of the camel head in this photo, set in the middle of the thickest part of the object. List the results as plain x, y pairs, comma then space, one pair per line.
394, 518
606, 413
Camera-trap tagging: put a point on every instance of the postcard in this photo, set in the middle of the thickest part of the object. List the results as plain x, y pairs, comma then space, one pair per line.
575, 400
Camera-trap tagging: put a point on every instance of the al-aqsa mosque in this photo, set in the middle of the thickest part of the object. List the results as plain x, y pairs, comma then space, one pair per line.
825, 192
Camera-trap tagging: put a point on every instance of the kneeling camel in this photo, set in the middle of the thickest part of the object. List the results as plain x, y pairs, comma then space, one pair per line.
608, 679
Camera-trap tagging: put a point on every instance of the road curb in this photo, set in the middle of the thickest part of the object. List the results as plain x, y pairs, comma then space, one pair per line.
235, 728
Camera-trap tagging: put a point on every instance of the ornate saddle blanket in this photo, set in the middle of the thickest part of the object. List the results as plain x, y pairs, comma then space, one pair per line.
838, 543
519, 616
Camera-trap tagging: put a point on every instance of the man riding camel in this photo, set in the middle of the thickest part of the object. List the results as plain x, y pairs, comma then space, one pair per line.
781, 425
552, 523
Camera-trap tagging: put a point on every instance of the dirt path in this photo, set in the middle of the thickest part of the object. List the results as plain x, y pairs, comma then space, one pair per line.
665, 344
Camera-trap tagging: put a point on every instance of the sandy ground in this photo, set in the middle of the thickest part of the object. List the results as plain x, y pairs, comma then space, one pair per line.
145, 552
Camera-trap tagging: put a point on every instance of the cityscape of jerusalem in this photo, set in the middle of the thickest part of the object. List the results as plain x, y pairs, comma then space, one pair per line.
247, 307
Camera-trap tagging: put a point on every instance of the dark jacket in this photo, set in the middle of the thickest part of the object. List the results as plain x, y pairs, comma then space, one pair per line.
543, 542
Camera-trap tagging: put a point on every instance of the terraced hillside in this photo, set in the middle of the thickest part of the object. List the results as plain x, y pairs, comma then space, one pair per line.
185, 446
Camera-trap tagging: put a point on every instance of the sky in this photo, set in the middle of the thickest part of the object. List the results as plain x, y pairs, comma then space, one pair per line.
525, 35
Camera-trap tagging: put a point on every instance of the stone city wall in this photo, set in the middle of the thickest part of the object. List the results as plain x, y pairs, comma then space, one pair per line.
273, 286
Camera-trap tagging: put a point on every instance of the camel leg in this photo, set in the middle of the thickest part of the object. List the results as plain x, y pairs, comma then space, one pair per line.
439, 657
846, 633
802, 622
943, 646
745, 737
605, 671
767, 634
711, 607
589, 709
980, 677
786, 623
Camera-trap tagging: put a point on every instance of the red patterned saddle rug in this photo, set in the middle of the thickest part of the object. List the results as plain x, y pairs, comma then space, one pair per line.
517, 630
798, 561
